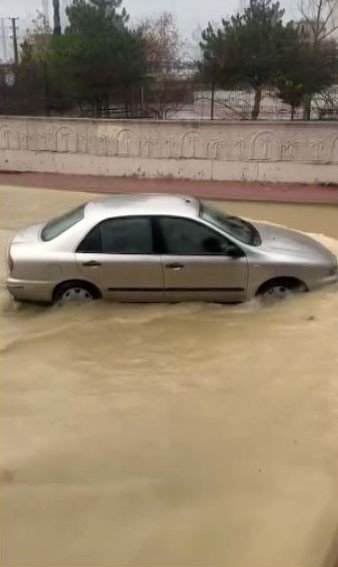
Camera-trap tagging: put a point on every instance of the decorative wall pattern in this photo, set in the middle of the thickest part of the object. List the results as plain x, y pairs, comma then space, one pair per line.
222, 142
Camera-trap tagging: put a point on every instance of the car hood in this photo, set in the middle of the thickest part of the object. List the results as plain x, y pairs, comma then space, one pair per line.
277, 238
29, 234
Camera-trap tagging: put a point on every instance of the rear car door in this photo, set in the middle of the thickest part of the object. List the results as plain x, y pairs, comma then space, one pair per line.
118, 257
199, 264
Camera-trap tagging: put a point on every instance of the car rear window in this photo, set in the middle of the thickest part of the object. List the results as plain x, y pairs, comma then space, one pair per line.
59, 225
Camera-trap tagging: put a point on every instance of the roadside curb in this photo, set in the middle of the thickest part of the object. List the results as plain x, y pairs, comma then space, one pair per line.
213, 190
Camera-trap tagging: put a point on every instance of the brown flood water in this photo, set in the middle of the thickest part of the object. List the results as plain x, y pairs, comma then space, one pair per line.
170, 435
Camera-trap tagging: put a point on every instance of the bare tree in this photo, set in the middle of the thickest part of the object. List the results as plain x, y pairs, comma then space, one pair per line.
37, 40
166, 91
319, 25
321, 18
191, 46
162, 41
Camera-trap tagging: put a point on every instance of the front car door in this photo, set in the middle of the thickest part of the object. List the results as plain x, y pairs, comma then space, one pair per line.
199, 264
117, 255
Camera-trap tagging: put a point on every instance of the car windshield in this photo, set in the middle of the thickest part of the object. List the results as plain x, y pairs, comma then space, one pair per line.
238, 228
59, 225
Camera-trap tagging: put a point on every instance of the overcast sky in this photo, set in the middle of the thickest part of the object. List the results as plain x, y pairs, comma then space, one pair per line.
190, 13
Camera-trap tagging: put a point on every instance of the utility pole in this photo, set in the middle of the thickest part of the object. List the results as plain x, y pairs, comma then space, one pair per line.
57, 22
15, 40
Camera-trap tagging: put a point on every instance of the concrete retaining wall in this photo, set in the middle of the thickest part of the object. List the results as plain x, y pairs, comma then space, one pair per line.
212, 150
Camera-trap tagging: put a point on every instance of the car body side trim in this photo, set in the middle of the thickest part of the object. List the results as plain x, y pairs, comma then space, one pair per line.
152, 289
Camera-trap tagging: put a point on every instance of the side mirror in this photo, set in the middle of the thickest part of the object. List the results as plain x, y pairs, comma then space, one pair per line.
213, 245
235, 252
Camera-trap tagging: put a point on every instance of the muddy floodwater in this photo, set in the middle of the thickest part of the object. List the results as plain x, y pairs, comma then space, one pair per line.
170, 435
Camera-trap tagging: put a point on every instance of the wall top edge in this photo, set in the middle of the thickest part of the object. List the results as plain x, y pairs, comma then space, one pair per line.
192, 123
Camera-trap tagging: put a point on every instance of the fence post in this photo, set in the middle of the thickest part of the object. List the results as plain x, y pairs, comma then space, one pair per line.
2, 92
212, 100
46, 80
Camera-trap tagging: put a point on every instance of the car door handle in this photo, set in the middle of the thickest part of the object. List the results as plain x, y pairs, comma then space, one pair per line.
92, 264
175, 266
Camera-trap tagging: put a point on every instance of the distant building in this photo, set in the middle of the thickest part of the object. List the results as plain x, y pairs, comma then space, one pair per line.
335, 20
307, 29
63, 15
4, 41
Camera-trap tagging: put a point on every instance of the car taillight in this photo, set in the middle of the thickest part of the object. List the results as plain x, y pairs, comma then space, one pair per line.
334, 267
10, 263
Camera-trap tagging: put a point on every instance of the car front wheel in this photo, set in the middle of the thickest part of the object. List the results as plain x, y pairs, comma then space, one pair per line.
277, 293
278, 290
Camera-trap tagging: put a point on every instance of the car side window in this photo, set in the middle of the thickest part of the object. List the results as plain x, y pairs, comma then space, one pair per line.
120, 236
185, 237
92, 242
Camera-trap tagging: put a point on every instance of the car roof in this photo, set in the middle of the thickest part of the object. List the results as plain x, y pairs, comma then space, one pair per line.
121, 205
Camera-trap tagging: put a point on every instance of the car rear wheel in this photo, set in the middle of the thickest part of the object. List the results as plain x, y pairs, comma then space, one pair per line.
74, 292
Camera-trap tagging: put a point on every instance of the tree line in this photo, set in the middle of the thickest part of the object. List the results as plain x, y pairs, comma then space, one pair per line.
103, 62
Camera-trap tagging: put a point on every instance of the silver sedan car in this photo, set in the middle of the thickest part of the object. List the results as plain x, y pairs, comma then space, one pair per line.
154, 248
